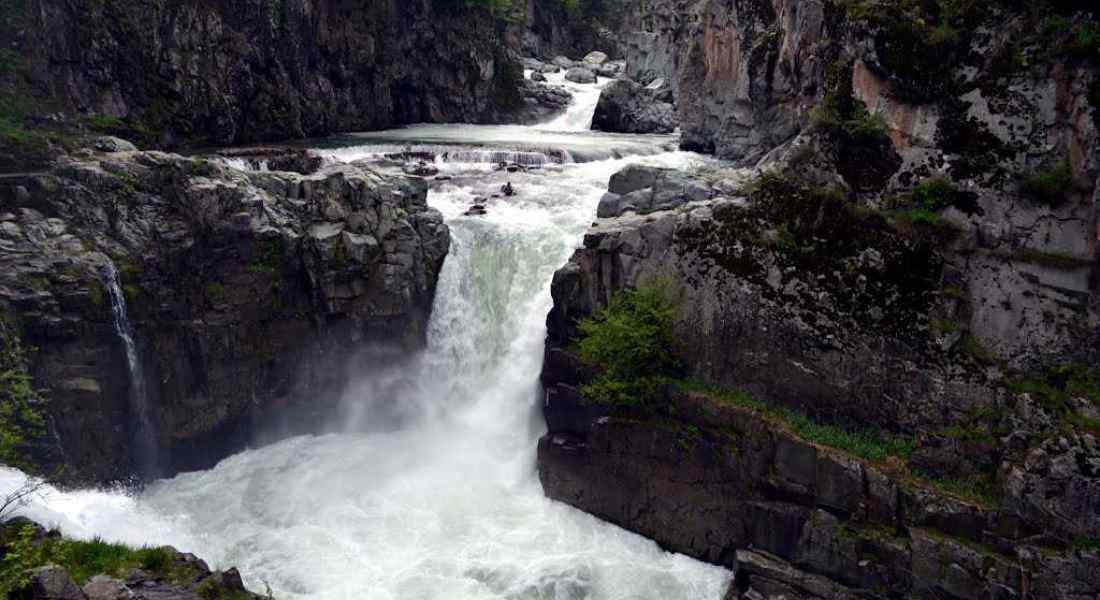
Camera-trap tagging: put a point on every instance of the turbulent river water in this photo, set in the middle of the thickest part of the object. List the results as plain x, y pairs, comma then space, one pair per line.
448, 505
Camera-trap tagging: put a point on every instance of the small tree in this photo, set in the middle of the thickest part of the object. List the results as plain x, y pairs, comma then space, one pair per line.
631, 342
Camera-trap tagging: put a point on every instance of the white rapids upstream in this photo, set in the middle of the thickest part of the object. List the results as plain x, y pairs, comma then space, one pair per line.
448, 506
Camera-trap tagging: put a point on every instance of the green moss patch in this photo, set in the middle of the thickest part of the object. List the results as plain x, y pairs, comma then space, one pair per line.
1051, 184
866, 443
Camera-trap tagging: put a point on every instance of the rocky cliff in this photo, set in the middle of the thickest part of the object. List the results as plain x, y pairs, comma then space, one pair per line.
886, 333
248, 294
218, 73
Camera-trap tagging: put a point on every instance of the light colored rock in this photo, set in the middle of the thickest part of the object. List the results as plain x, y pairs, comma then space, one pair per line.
595, 58
580, 75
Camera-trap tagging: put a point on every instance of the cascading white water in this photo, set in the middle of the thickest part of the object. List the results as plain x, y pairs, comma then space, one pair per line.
448, 505
578, 115
143, 436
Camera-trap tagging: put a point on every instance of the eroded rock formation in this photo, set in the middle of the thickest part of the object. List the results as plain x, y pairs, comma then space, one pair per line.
248, 292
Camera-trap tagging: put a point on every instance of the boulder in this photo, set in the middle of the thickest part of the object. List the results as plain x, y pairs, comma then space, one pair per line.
627, 107
49, 583
580, 75
109, 143
661, 89
644, 190
542, 101
102, 587
595, 58
537, 76
610, 69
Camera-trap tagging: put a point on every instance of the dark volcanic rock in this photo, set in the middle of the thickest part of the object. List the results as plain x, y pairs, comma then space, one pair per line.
248, 291
628, 107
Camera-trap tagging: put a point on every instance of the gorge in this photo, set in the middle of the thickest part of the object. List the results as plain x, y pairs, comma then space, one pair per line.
500, 334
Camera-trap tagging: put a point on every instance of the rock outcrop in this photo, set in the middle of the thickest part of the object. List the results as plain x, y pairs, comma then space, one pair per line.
249, 294
153, 573
629, 107
221, 73
801, 313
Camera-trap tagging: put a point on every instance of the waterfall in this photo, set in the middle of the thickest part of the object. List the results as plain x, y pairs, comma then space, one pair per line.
429, 490
142, 433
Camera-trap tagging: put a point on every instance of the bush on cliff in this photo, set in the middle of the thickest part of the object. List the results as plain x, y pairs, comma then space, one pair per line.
21, 420
631, 342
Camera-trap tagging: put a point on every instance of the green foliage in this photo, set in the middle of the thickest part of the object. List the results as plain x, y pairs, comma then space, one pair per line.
211, 590
105, 124
1054, 387
935, 194
842, 116
268, 257
631, 342
980, 489
973, 348
868, 444
82, 559
215, 292
1086, 543
917, 41
21, 405
1050, 185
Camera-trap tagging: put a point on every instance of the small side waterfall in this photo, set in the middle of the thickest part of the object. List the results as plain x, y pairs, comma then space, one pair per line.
141, 426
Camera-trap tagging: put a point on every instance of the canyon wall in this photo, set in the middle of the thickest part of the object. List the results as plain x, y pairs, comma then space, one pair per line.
217, 73
249, 294
888, 321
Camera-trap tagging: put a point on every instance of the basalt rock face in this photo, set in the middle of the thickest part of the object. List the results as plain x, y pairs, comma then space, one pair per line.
249, 294
232, 72
793, 519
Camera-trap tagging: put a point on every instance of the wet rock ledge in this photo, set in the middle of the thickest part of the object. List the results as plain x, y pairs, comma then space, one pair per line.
249, 294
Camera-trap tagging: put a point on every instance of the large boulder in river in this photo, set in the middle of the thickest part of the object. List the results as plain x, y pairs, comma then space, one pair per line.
580, 75
595, 58
627, 107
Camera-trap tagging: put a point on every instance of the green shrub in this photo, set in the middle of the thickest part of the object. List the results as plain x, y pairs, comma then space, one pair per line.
1050, 185
1054, 387
21, 405
934, 194
215, 292
631, 342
